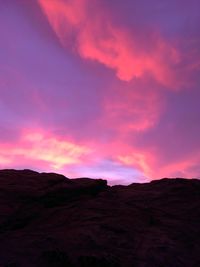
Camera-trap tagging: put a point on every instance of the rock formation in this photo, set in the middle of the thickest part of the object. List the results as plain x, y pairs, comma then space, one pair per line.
48, 220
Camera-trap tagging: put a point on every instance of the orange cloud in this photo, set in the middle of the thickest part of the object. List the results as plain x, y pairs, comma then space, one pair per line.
95, 37
138, 160
38, 146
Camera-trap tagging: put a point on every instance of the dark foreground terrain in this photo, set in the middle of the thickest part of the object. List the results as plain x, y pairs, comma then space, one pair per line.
49, 220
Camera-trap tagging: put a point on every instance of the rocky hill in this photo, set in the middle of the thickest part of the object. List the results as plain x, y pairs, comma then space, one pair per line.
49, 220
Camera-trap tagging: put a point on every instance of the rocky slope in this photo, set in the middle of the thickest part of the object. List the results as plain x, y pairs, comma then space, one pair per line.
49, 220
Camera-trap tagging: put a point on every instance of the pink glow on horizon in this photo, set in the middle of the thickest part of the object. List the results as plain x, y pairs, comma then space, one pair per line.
100, 88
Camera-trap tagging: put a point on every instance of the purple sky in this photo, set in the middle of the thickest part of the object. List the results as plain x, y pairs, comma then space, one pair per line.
99, 88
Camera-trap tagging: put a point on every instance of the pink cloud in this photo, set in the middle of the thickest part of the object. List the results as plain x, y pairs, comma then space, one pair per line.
96, 37
148, 162
133, 108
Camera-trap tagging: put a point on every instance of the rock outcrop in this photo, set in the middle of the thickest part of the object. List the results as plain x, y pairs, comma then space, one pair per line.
48, 220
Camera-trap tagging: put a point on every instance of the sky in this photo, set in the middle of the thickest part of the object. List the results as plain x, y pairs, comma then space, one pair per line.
101, 89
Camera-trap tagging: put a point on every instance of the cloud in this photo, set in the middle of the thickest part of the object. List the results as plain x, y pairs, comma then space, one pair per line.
95, 37
171, 147
35, 145
43, 151
133, 108
138, 160
148, 164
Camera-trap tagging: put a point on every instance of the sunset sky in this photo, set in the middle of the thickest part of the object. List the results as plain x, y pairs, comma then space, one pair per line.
101, 88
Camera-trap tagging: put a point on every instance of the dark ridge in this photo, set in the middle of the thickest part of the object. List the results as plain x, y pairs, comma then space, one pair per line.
48, 220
